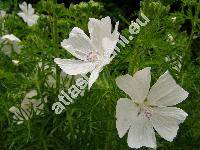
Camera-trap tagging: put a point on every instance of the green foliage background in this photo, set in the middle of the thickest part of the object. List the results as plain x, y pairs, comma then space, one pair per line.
89, 123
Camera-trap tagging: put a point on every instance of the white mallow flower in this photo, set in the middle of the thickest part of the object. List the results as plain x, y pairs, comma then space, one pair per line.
148, 108
2, 13
173, 19
170, 39
15, 62
28, 14
93, 53
10, 43
28, 105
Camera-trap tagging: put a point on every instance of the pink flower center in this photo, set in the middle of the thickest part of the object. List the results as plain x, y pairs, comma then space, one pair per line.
92, 56
148, 112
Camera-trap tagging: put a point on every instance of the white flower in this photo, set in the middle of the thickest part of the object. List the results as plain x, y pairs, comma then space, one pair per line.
28, 14
93, 53
86, 5
149, 109
28, 105
173, 19
170, 39
2, 13
194, 37
11, 42
15, 62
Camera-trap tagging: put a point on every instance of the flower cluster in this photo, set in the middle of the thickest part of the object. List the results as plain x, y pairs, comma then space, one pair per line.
10, 41
148, 109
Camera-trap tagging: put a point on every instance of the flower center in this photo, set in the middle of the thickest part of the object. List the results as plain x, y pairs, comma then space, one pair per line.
145, 110
92, 56
148, 112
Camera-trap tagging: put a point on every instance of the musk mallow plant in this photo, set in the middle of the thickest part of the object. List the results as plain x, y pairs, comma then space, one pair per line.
27, 14
149, 109
93, 52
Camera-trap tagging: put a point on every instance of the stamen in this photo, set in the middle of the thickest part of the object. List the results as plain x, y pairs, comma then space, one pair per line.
148, 112
92, 56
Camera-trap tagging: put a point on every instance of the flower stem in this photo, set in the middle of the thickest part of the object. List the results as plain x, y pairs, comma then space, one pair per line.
56, 47
110, 122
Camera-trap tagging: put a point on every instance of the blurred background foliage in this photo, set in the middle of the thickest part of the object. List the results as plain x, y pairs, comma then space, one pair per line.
89, 123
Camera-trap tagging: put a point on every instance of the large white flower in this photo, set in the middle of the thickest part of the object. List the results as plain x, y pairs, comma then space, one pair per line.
10, 43
94, 52
28, 105
149, 109
28, 14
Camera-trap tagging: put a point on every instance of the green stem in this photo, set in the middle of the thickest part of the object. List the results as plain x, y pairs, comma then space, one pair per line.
133, 62
56, 47
110, 122
69, 118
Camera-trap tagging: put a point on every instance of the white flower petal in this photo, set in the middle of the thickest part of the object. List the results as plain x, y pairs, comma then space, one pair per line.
115, 33
165, 92
141, 133
20, 114
13, 109
37, 105
166, 120
23, 15
108, 46
30, 10
78, 44
2, 13
98, 30
35, 18
110, 42
10, 37
30, 94
6, 49
74, 67
26, 113
93, 76
32, 20
23, 7
10, 42
19, 122
17, 47
15, 62
126, 111
137, 87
